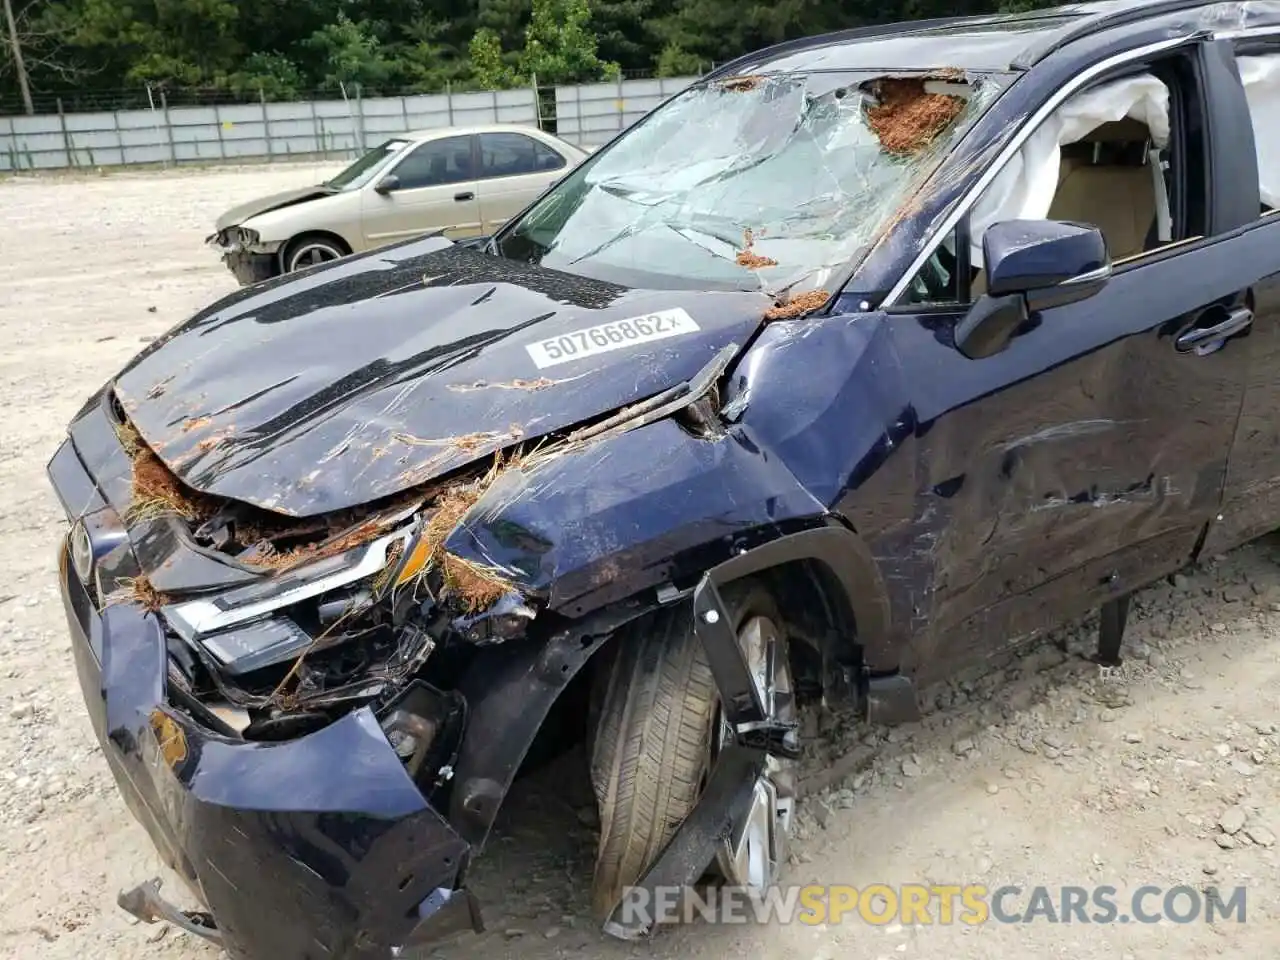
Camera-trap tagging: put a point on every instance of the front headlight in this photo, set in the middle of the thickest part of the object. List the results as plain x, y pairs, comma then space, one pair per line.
253, 646
196, 618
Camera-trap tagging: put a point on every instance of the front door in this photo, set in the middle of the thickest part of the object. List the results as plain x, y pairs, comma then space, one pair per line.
436, 190
1080, 462
1088, 457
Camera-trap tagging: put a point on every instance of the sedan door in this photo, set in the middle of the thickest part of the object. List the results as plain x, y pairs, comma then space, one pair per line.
514, 170
431, 187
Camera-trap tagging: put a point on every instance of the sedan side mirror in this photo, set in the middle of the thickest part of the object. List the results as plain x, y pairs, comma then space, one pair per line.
388, 184
1032, 265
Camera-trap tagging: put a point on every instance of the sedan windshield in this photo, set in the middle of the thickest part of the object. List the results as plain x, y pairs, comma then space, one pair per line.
364, 169
750, 182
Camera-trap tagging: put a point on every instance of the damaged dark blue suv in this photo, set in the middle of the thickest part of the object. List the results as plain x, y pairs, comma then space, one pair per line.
864, 357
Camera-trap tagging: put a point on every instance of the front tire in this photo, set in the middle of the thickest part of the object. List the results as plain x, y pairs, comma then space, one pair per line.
657, 731
311, 249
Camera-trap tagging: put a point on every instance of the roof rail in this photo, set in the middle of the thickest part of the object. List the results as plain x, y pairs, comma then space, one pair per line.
1090, 25
889, 29
854, 33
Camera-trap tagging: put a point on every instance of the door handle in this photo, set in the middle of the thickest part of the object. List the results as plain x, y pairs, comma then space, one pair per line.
1198, 338
463, 197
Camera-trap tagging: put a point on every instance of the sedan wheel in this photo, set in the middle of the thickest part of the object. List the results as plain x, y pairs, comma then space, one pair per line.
310, 253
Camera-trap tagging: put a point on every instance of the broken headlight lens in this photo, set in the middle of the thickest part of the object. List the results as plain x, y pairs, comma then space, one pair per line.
196, 618
256, 645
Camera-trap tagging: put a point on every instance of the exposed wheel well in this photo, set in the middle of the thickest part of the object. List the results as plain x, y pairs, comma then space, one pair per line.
815, 612
813, 605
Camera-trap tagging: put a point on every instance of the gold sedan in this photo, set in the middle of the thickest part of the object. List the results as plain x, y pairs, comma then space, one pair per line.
464, 181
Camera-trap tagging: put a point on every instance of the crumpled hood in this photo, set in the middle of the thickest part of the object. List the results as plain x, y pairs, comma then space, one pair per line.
376, 374
239, 214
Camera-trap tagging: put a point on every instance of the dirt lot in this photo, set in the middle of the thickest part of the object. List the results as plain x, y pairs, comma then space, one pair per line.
1037, 771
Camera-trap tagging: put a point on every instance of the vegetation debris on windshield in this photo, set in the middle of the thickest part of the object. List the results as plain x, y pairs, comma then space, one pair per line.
741, 84
748, 258
799, 304
907, 116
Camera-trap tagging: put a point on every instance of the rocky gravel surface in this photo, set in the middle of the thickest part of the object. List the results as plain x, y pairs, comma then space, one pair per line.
1034, 768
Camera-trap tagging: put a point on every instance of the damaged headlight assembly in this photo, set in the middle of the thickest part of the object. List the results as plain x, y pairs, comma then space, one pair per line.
247, 628
197, 618
251, 627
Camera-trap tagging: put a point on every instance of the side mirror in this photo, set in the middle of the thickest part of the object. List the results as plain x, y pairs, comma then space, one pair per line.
388, 184
1032, 265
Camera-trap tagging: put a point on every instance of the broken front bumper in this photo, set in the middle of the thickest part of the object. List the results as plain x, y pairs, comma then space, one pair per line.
317, 847
249, 264
249, 268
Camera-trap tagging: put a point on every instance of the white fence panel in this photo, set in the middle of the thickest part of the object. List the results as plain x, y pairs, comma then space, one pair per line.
588, 115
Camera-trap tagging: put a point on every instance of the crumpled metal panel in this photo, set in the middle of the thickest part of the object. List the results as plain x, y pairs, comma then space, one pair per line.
382, 373
629, 511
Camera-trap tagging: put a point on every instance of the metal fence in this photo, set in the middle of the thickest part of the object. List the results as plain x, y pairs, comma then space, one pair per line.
593, 113
163, 134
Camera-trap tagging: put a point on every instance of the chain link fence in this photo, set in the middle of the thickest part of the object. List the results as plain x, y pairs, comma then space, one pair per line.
157, 127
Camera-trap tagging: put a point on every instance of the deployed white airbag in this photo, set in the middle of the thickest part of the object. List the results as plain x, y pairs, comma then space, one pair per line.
1261, 77
1024, 189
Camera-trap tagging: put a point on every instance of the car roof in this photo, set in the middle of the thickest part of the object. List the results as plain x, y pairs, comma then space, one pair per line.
999, 42
435, 133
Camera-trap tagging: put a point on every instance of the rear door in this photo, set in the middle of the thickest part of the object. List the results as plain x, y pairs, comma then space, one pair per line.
1251, 494
514, 170
437, 189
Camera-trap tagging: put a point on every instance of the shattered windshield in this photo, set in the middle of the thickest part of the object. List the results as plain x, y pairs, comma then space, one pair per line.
362, 171
750, 182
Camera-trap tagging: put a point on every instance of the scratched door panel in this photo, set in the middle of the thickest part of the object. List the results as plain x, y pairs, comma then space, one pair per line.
1089, 434
1251, 500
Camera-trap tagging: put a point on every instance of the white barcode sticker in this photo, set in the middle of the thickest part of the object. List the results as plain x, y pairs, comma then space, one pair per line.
615, 335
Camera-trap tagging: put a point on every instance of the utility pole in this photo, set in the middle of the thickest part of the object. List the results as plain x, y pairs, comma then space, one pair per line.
18, 63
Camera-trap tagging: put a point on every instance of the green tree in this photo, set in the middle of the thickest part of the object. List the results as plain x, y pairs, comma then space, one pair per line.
432, 54
270, 75
506, 18
287, 48
488, 63
351, 54
559, 46
178, 42
674, 61
624, 30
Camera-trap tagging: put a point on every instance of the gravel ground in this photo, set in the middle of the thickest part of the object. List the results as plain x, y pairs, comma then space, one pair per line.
1034, 770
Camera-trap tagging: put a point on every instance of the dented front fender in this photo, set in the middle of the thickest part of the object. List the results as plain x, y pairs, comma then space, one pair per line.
601, 522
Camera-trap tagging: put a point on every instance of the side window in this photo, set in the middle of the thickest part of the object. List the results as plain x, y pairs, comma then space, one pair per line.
1260, 74
436, 163
944, 278
1114, 155
514, 154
